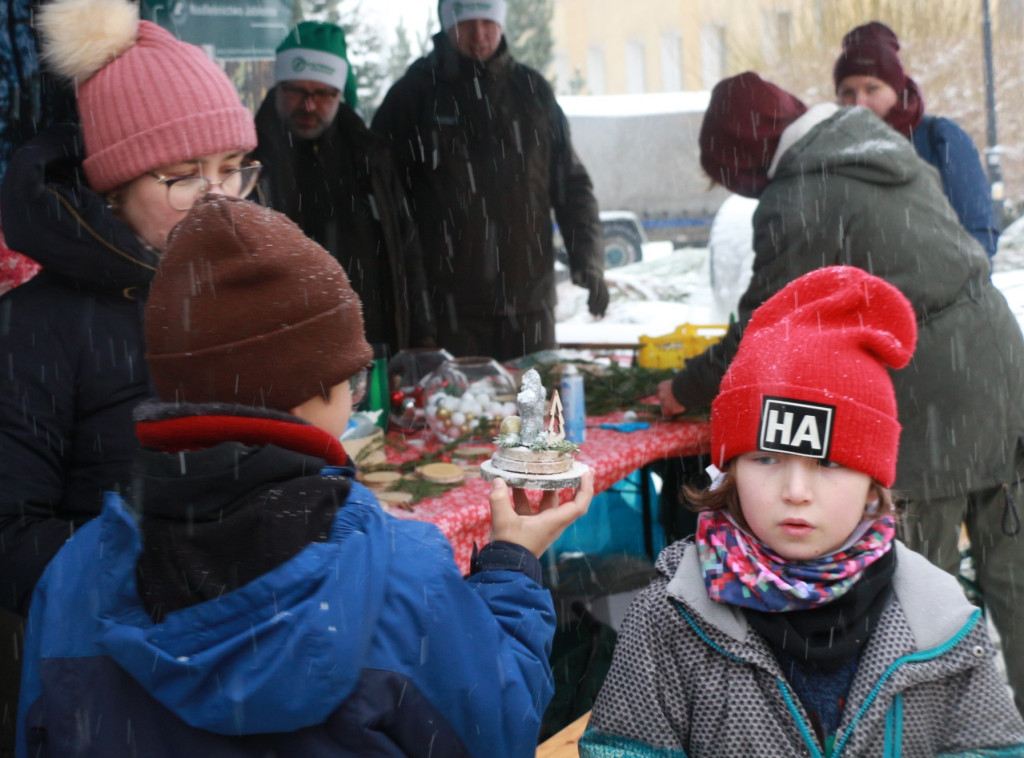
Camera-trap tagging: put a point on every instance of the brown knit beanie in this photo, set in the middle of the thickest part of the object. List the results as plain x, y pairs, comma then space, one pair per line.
244, 308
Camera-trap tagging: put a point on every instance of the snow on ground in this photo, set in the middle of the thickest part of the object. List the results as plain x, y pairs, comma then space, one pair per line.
645, 104
654, 296
651, 297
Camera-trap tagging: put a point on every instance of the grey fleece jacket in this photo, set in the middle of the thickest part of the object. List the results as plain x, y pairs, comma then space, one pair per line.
691, 678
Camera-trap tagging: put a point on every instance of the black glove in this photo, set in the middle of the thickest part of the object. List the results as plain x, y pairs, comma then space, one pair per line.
597, 303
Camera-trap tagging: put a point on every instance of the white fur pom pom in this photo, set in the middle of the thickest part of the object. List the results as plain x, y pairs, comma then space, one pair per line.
82, 36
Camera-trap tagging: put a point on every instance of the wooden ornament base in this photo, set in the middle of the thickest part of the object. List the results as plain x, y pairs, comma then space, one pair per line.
569, 479
525, 461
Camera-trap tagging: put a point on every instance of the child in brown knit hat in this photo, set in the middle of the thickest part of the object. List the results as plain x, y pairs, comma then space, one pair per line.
251, 597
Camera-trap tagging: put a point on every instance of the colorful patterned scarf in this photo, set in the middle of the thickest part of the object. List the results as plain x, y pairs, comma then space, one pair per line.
740, 570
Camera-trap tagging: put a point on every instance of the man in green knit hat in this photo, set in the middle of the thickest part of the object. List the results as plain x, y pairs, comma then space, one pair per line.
334, 178
485, 151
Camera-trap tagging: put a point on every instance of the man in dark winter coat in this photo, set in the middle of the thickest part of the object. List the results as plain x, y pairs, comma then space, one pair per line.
486, 153
334, 178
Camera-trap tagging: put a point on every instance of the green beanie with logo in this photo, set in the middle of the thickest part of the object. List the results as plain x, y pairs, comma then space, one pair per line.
315, 51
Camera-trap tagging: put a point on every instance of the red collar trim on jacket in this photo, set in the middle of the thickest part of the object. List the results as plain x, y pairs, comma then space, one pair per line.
197, 432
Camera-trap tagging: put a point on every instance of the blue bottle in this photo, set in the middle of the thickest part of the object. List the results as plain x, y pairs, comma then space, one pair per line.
573, 405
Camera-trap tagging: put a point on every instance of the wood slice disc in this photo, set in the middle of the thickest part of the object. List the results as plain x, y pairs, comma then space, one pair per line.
380, 480
533, 456
473, 452
396, 498
569, 479
547, 462
441, 473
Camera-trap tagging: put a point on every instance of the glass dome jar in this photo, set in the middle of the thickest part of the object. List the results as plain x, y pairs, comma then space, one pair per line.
405, 374
467, 398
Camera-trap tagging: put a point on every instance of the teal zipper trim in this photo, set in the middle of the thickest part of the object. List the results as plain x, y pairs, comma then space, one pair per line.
923, 655
894, 728
784, 688
594, 744
787, 696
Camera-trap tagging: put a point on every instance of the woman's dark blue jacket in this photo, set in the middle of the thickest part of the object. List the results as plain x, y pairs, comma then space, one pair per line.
72, 357
947, 147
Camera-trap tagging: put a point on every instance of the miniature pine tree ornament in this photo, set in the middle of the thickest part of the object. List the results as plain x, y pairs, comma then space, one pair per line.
553, 414
531, 455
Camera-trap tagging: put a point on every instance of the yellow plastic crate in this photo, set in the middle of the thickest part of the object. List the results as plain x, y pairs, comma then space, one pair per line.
672, 350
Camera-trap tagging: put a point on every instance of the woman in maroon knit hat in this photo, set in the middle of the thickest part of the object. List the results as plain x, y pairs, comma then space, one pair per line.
869, 72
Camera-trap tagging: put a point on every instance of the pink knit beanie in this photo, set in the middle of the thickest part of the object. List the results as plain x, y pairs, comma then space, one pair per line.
810, 377
145, 99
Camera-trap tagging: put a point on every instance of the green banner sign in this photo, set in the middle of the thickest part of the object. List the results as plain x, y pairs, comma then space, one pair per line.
228, 29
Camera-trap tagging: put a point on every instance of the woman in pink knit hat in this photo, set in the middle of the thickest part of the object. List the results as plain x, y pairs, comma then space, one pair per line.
161, 125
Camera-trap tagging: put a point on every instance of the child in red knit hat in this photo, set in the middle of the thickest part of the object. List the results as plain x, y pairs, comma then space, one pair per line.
836, 185
794, 623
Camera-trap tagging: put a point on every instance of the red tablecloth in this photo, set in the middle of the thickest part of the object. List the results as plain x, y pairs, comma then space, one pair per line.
463, 514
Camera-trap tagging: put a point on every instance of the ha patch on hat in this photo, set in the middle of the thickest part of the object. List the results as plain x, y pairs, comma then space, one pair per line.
796, 428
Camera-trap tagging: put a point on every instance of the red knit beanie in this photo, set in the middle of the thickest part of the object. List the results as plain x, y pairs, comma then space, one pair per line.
871, 49
741, 129
244, 308
810, 374
145, 99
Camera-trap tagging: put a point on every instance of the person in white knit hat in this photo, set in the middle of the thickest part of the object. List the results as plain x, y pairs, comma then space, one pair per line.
486, 154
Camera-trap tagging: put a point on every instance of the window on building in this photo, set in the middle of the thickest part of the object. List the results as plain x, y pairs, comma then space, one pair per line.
713, 60
777, 34
595, 71
671, 62
784, 31
563, 73
636, 76
1010, 17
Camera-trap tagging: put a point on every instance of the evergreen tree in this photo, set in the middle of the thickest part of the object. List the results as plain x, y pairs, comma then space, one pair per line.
400, 55
528, 32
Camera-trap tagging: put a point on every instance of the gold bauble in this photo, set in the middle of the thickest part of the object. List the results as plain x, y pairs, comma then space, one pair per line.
511, 425
444, 414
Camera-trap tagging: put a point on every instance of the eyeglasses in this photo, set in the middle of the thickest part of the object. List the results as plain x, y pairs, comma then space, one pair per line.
359, 383
318, 96
183, 191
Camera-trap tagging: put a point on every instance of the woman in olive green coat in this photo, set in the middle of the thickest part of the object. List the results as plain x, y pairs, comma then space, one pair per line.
838, 186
